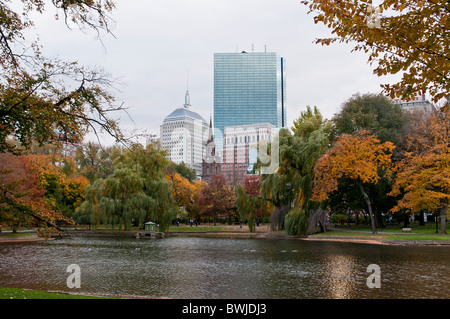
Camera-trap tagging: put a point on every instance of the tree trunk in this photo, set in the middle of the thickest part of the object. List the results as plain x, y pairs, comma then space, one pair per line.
378, 217
369, 206
443, 211
422, 219
405, 222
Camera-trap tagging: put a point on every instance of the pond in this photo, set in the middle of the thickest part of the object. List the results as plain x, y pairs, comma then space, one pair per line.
212, 268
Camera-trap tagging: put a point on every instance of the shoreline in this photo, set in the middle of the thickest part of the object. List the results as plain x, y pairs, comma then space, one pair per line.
22, 239
234, 235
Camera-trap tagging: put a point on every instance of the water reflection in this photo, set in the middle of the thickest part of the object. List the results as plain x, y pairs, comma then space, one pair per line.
339, 276
227, 268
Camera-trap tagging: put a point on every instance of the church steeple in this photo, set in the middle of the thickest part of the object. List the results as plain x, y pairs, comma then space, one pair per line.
210, 145
210, 135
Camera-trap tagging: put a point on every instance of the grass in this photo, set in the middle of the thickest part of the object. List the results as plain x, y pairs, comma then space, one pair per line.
418, 232
391, 231
17, 293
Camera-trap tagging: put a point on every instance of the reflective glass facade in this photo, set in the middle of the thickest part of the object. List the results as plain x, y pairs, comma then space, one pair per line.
249, 88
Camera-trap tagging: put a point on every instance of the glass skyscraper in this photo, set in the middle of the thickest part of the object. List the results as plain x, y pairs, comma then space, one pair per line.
249, 88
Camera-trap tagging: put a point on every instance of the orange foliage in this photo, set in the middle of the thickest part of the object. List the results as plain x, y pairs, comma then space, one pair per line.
357, 157
424, 175
22, 201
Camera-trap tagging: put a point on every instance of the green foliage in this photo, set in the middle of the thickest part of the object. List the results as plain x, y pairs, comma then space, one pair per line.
372, 112
296, 221
388, 122
246, 206
45, 100
135, 191
312, 135
185, 171
338, 218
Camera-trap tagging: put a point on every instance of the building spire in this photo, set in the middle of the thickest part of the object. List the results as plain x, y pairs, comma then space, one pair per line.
210, 145
187, 100
211, 136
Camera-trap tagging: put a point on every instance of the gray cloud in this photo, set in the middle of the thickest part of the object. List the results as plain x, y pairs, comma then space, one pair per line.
157, 42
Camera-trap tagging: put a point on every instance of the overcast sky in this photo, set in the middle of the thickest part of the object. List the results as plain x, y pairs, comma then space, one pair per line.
157, 43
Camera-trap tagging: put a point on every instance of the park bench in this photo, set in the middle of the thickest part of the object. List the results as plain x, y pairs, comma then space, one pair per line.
406, 230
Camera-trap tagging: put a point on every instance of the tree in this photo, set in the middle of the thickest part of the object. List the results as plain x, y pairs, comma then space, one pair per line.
189, 173
49, 100
195, 208
216, 199
407, 36
95, 161
360, 158
388, 122
249, 202
185, 193
423, 177
64, 190
290, 188
22, 197
136, 190
182, 189
374, 113
312, 137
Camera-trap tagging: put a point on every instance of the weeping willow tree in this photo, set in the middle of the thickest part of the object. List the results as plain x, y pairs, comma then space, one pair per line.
249, 202
135, 191
122, 198
312, 135
88, 212
290, 188
246, 206
276, 188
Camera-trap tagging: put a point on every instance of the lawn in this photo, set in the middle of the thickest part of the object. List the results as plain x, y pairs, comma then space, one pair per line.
418, 232
17, 293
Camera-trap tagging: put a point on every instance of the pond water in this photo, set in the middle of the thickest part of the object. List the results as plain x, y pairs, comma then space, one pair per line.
211, 268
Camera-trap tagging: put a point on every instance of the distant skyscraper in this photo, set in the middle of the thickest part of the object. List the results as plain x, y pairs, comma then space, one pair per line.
249, 88
182, 135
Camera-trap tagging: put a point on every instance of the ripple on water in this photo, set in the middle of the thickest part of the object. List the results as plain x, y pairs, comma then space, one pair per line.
227, 268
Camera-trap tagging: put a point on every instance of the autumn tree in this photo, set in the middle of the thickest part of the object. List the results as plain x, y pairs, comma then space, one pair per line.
423, 177
195, 208
360, 158
64, 190
411, 37
388, 122
50, 100
185, 192
249, 202
183, 170
182, 189
22, 197
217, 200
